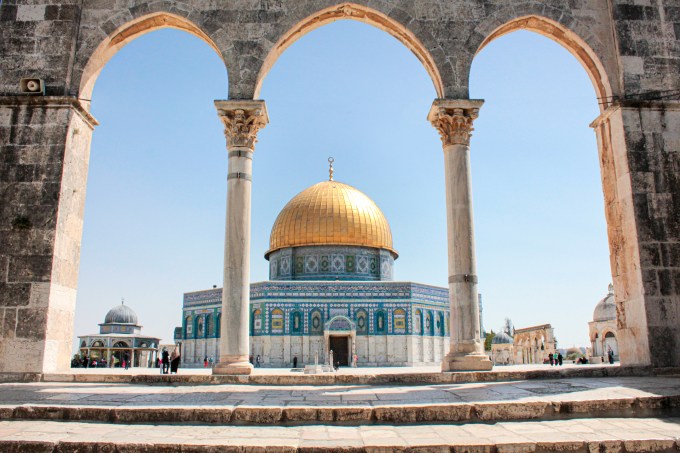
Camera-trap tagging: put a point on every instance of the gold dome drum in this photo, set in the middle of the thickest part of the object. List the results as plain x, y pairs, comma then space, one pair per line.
331, 213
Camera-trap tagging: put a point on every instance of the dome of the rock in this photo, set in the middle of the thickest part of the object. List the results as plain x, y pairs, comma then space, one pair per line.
331, 213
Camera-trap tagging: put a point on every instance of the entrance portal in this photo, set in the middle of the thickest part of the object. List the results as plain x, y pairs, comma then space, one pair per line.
340, 347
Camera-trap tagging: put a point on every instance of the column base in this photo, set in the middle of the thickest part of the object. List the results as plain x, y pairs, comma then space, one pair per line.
238, 366
469, 362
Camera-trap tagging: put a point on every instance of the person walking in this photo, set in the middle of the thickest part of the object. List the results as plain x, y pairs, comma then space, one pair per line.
166, 361
551, 359
295, 362
559, 358
205, 362
610, 356
174, 361
258, 360
126, 361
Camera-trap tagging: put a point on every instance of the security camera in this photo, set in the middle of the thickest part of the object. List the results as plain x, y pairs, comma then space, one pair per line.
32, 86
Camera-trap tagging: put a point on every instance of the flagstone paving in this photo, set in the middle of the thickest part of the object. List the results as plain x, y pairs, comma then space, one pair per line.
616, 434
130, 395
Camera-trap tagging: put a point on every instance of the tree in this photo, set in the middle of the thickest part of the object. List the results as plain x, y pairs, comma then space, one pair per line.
488, 340
508, 327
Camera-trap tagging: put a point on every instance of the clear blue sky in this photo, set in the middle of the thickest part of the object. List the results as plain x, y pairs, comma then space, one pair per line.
155, 210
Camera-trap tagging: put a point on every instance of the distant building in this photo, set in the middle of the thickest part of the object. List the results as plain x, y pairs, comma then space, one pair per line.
119, 334
602, 329
527, 345
502, 349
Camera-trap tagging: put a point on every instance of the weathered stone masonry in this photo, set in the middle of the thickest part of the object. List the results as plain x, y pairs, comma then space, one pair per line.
630, 49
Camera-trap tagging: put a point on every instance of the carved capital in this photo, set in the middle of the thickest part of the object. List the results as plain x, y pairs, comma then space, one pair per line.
242, 121
453, 119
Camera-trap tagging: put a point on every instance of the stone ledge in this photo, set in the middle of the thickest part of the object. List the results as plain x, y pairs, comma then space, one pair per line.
483, 412
595, 435
342, 379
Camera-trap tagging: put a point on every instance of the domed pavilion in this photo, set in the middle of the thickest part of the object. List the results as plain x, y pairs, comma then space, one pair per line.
502, 349
120, 333
603, 328
330, 288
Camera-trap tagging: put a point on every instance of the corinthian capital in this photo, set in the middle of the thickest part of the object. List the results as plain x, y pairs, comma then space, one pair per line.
242, 120
453, 119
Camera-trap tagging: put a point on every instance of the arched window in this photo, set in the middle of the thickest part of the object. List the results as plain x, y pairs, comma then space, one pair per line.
380, 325
98, 344
218, 326
296, 323
361, 318
441, 324
429, 324
120, 344
277, 321
399, 320
315, 323
198, 327
256, 322
418, 322
188, 328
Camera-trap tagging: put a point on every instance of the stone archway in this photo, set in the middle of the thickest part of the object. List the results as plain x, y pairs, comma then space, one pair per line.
340, 333
352, 11
614, 169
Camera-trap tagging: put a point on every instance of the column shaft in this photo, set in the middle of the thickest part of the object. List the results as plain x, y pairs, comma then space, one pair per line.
242, 120
453, 119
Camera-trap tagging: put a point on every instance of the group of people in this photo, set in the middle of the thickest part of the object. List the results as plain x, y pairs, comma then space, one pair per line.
100, 362
555, 359
207, 362
169, 361
258, 361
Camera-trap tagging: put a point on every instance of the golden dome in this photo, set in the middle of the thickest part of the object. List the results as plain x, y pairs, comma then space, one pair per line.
331, 213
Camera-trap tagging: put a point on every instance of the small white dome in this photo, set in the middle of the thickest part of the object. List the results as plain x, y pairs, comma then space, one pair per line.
605, 310
121, 314
502, 338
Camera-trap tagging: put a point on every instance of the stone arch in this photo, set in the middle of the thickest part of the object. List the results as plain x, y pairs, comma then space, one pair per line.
359, 13
598, 56
568, 37
127, 32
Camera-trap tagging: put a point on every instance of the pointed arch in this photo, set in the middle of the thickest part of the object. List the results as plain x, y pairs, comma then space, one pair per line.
359, 13
129, 31
568, 39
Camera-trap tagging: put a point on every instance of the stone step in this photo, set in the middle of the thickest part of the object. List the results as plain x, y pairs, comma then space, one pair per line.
343, 404
584, 435
494, 411
345, 377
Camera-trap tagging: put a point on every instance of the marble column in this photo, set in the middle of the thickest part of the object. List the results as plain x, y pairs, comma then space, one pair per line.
453, 119
242, 120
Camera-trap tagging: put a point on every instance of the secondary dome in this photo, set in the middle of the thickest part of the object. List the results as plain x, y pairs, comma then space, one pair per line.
605, 309
331, 213
502, 338
121, 314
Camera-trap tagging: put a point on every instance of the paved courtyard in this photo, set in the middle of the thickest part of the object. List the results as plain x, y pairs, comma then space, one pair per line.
612, 435
130, 395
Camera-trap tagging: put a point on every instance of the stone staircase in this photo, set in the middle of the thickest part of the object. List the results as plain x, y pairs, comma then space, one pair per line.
591, 414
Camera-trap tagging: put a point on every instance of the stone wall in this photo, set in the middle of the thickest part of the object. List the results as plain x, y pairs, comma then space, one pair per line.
630, 49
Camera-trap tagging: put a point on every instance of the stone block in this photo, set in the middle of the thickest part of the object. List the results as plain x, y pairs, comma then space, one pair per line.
30, 12
31, 268
14, 294
31, 323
